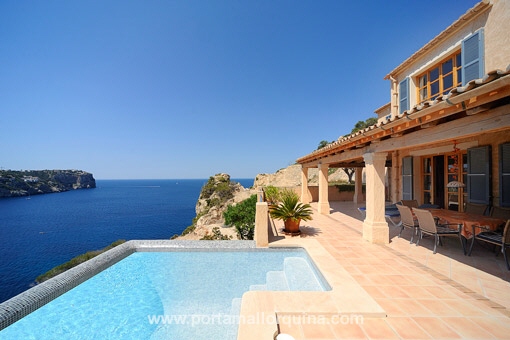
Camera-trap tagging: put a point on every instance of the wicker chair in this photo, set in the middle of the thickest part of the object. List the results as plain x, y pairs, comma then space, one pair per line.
474, 208
410, 203
407, 220
428, 226
503, 213
497, 239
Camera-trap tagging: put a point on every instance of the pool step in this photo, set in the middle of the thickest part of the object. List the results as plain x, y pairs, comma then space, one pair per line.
299, 275
235, 309
276, 281
258, 287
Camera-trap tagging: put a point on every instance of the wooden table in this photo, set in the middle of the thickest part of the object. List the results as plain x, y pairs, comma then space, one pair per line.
467, 220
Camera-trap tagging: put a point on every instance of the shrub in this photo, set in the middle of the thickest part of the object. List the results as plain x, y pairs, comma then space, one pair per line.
272, 194
242, 217
348, 187
75, 261
216, 235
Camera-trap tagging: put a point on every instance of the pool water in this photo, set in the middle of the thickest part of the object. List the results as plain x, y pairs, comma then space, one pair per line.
195, 293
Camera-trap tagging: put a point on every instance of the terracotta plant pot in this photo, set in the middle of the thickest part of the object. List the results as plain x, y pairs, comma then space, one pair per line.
292, 225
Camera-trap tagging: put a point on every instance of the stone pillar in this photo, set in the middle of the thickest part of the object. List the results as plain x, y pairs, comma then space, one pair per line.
375, 227
323, 205
358, 186
260, 234
306, 196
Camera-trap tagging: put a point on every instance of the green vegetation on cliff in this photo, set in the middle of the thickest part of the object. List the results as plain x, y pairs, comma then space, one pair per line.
75, 261
242, 217
33, 182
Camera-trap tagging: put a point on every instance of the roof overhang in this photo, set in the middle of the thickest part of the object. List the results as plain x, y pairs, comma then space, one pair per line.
472, 13
460, 104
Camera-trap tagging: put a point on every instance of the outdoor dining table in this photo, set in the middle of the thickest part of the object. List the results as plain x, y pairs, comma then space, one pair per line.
467, 220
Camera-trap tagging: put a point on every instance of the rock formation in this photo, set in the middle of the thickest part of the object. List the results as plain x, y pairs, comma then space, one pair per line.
216, 195
220, 192
291, 177
34, 182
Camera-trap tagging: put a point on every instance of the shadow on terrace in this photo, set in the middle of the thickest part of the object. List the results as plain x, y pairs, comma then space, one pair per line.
484, 272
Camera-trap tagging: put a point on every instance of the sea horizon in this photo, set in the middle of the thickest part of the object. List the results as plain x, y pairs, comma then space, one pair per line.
49, 229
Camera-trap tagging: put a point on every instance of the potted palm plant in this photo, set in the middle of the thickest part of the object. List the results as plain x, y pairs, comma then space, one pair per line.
291, 211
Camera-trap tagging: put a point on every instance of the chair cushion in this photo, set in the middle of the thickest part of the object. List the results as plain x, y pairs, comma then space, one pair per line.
490, 237
446, 230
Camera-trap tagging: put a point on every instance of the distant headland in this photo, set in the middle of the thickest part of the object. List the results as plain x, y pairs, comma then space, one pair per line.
34, 182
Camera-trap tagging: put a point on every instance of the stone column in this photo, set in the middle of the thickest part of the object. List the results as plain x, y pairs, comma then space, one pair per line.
358, 186
375, 227
260, 234
306, 196
323, 205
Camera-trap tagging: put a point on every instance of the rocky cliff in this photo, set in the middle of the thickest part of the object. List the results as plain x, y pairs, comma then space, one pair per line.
216, 195
34, 182
219, 192
291, 177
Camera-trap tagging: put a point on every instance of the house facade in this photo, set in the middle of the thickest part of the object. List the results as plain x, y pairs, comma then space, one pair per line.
444, 136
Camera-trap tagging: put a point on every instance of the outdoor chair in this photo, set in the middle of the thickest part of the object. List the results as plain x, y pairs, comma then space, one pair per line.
474, 208
428, 225
497, 239
502, 213
410, 203
407, 220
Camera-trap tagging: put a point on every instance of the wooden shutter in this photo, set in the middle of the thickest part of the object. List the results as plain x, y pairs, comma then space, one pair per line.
479, 174
403, 95
473, 57
504, 175
407, 178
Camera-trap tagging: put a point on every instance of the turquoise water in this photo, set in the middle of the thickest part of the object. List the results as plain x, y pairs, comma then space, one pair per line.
197, 291
47, 230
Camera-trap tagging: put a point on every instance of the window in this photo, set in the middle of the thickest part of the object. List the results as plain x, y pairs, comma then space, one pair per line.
427, 180
478, 174
440, 78
473, 56
403, 90
504, 175
407, 178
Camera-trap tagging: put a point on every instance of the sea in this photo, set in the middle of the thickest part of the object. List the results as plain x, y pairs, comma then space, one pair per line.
40, 232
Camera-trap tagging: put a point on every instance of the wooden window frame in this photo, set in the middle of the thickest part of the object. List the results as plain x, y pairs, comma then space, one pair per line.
430, 175
425, 85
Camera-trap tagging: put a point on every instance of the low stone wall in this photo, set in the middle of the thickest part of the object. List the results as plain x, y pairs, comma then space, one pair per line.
333, 194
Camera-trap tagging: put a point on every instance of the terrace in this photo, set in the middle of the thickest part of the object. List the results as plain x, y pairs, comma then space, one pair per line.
424, 295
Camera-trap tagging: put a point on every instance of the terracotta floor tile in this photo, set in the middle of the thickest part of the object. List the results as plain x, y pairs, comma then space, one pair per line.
466, 308
438, 307
348, 331
374, 292
499, 327
318, 331
407, 328
391, 307
467, 329
395, 292
436, 328
378, 329
413, 308
440, 292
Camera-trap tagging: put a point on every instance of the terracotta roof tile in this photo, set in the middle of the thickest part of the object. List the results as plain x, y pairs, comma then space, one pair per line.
473, 84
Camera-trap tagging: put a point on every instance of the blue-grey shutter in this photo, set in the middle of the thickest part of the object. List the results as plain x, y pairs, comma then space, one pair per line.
479, 174
407, 178
403, 95
504, 175
473, 57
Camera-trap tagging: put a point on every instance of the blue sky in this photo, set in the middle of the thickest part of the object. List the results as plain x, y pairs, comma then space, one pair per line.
188, 89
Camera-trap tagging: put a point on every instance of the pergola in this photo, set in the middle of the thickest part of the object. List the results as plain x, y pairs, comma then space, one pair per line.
480, 107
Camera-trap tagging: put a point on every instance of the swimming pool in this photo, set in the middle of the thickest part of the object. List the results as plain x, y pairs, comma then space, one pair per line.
179, 294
